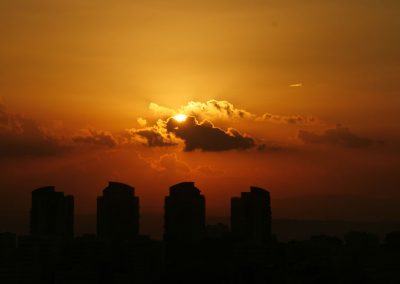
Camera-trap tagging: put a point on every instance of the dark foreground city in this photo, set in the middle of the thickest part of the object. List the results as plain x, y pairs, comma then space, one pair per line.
191, 251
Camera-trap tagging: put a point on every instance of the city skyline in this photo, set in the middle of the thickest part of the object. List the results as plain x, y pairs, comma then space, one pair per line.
51, 213
152, 224
118, 211
118, 214
247, 252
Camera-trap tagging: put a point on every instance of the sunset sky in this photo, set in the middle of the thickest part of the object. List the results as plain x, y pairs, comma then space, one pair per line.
299, 97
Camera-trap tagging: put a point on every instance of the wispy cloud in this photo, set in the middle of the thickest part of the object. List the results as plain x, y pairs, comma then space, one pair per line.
211, 110
214, 110
340, 136
289, 119
96, 138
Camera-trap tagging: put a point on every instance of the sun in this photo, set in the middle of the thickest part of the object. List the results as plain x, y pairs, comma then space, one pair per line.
180, 117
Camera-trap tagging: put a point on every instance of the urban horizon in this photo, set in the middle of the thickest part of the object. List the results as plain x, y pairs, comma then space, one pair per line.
297, 97
286, 228
133, 214
244, 252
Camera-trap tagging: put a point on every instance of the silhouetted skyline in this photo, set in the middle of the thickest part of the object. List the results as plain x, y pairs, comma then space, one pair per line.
52, 213
185, 213
176, 141
118, 212
251, 215
192, 252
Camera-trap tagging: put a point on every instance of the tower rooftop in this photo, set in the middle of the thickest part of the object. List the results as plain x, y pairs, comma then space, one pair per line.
257, 189
114, 186
184, 187
44, 189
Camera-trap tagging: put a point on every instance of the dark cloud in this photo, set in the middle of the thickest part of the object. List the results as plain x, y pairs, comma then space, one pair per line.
340, 136
154, 138
98, 138
22, 137
270, 148
293, 119
204, 136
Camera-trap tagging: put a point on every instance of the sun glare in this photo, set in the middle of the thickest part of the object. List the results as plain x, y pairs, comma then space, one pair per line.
180, 117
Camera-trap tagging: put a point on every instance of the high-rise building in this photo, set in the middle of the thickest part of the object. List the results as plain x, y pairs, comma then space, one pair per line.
184, 213
118, 212
52, 213
251, 215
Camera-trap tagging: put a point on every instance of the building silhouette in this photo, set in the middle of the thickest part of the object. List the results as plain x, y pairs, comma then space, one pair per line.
44, 257
118, 212
184, 213
52, 213
251, 215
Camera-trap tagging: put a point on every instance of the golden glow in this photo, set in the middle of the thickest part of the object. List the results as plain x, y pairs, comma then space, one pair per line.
180, 117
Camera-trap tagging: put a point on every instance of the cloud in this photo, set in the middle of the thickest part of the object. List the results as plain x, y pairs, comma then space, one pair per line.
169, 163
202, 136
23, 137
210, 110
207, 170
161, 111
154, 136
340, 136
296, 85
213, 110
97, 138
293, 119
205, 136
198, 131
142, 122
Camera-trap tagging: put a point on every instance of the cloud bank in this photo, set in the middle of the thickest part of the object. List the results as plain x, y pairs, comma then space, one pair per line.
97, 138
23, 137
214, 110
340, 136
205, 136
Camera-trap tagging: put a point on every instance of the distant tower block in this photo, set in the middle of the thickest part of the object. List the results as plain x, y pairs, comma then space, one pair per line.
184, 219
251, 215
52, 213
118, 213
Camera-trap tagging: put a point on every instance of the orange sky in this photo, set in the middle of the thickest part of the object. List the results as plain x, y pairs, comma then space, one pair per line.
311, 89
